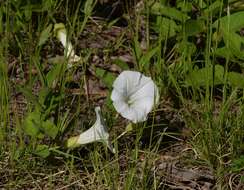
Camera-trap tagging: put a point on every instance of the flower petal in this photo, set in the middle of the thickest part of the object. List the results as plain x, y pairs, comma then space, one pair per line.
147, 90
117, 95
69, 52
98, 132
134, 95
129, 113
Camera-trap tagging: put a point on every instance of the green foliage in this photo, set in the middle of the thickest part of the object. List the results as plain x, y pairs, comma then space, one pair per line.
229, 27
41, 123
193, 27
167, 27
123, 65
160, 9
105, 76
45, 34
53, 75
193, 49
201, 47
209, 76
22, 12
32, 124
36, 123
238, 164
236, 80
42, 151
206, 76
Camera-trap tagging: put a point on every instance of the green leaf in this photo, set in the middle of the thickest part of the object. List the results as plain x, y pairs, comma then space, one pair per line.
27, 12
129, 127
224, 52
214, 8
42, 151
88, 7
167, 27
186, 48
53, 75
231, 23
160, 9
50, 129
42, 96
193, 27
235, 42
107, 77
236, 79
137, 49
238, 164
32, 124
145, 59
184, 6
45, 34
230, 26
204, 76
123, 65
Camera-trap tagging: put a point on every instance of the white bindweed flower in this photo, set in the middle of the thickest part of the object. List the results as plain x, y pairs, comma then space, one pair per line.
98, 132
69, 52
134, 95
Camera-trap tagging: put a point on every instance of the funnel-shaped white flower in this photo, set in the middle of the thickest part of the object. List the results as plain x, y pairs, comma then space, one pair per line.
69, 52
134, 95
98, 132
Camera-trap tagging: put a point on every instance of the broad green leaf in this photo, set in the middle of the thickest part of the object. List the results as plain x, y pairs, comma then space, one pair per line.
32, 124
53, 75
186, 48
27, 12
160, 9
50, 129
105, 76
145, 59
236, 43
204, 76
42, 96
123, 65
184, 6
193, 27
42, 151
236, 79
213, 8
230, 26
167, 27
231, 23
58, 59
202, 4
224, 52
45, 34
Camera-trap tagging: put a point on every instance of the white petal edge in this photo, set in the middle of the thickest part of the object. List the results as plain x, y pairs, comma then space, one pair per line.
97, 133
